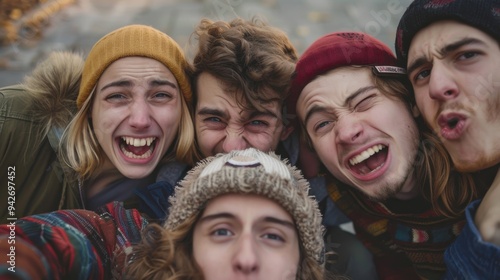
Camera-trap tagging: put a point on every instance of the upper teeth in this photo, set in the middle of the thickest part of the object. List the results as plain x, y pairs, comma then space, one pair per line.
138, 142
366, 154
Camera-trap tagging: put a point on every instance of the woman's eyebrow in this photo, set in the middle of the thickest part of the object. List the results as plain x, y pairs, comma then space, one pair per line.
162, 82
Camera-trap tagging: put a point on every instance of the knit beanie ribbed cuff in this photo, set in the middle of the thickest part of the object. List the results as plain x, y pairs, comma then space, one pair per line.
133, 40
335, 50
481, 14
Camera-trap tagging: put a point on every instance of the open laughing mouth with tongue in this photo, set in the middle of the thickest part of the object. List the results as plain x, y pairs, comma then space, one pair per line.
137, 148
367, 164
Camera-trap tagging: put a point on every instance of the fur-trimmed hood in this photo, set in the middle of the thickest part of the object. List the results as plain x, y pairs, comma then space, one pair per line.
53, 86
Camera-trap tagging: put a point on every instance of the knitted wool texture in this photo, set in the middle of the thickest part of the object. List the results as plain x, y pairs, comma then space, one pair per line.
251, 172
332, 51
133, 40
481, 14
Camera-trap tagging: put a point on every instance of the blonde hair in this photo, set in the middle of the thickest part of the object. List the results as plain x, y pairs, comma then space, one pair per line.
81, 150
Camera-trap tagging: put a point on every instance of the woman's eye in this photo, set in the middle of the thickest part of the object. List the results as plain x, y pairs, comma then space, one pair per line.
116, 96
162, 95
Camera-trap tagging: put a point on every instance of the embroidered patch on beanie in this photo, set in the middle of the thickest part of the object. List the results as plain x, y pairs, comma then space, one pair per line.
335, 50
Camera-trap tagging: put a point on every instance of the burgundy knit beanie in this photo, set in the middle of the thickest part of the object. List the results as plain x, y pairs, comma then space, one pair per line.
336, 50
481, 14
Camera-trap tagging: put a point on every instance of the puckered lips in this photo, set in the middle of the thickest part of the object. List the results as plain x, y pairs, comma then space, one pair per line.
137, 150
452, 125
369, 163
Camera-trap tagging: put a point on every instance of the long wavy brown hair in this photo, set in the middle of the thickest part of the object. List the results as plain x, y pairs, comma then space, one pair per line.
448, 190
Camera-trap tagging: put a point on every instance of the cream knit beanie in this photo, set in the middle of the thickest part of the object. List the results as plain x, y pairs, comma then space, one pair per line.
251, 172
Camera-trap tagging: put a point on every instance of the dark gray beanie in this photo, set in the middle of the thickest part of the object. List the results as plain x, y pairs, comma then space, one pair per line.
481, 14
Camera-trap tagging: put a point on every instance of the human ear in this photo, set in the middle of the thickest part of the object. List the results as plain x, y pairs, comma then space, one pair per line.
286, 132
415, 111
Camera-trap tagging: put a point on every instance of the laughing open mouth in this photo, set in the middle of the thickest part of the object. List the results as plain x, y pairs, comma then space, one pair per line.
137, 148
369, 160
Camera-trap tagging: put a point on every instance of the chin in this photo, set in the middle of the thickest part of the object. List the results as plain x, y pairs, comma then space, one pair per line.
463, 165
472, 160
377, 197
374, 194
138, 174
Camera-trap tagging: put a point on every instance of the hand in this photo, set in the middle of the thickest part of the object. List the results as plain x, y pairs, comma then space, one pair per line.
487, 217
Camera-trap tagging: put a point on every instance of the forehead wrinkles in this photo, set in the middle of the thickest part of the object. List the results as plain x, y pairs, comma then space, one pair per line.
146, 83
425, 42
434, 39
421, 54
324, 97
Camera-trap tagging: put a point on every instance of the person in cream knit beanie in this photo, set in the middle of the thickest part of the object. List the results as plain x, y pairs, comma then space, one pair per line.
246, 213
250, 171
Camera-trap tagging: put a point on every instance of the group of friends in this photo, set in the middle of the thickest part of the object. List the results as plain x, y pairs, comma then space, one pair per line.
135, 163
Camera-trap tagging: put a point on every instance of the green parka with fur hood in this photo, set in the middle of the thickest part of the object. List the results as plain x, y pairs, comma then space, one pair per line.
33, 116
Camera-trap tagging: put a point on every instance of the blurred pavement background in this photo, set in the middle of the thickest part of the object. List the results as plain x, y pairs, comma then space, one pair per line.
77, 24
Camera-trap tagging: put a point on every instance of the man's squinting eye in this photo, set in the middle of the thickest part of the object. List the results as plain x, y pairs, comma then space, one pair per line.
364, 104
213, 119
258, 122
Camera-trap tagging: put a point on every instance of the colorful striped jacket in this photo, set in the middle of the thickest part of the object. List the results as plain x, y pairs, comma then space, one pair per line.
407, 238
70, 244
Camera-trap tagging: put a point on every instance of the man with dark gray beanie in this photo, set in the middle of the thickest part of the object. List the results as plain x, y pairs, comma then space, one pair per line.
451, 50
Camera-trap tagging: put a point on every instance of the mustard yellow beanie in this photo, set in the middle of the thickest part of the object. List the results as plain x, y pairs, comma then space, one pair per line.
133, 40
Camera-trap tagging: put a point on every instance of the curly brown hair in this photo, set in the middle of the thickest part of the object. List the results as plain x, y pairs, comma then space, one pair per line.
254, 61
